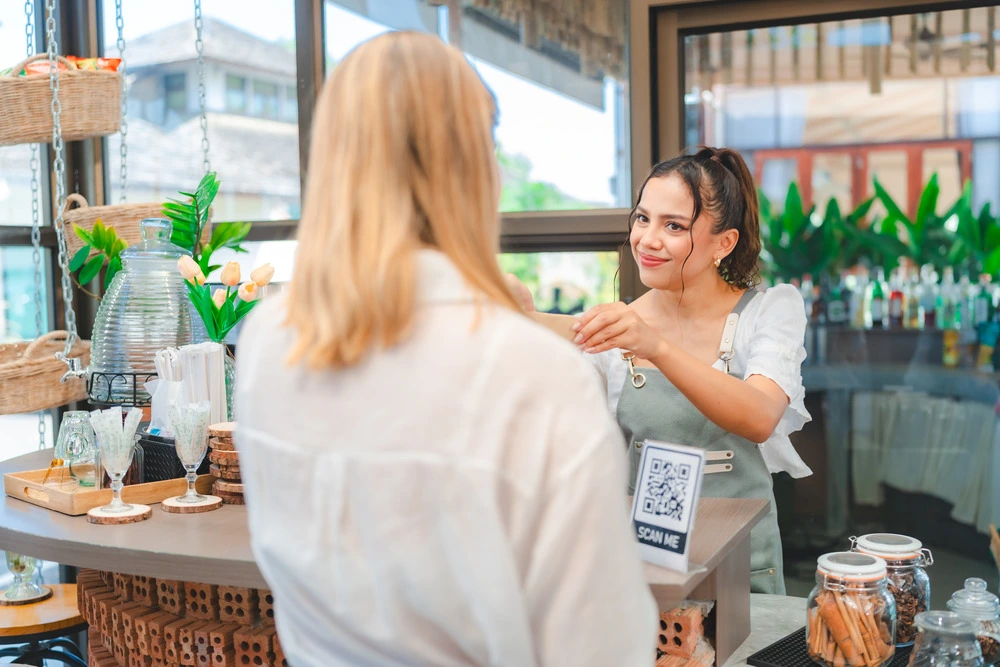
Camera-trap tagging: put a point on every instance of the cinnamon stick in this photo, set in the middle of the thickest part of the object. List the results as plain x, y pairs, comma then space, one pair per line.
852, 625
831, 615
838, 658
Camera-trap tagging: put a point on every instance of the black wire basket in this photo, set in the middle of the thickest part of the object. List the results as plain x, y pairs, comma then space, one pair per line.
161, 462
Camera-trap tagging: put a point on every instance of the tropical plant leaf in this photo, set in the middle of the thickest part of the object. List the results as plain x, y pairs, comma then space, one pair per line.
991, 264
91, 269
79, 259
888, 202
84, 235
794, 216
926, 208
201, 297
99, 235
114, 266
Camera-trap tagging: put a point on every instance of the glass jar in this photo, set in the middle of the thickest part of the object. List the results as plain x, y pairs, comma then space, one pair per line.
906, 560
978, 605
145, 309
945, 639
77, 445
851, 616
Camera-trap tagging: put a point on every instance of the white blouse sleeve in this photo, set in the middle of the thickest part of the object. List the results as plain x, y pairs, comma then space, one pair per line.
776, 351
611, 369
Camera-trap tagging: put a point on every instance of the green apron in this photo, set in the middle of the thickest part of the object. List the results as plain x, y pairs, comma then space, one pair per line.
735, 467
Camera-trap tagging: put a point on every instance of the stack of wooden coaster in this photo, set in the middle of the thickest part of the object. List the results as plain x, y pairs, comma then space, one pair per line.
225, 463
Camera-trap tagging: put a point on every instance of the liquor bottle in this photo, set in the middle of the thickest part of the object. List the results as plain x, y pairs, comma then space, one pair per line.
947, 308
877, 306
806, 290
912, 314
856, 310
929, 296
818, 314
895, 301
836, 307
983, 304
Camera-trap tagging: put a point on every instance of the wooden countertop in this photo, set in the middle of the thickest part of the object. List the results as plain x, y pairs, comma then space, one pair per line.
214, 547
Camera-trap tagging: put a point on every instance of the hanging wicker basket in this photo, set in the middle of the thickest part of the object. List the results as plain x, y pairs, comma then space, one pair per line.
30, 374
90, 100
125, 218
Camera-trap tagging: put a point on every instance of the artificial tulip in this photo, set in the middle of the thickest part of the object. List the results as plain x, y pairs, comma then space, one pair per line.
188, 267
262, 275
248, 291
219, 298
230, 274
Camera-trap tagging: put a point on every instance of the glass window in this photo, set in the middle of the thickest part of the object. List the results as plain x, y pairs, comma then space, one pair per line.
17, 291
291, 104
560, 80
15, 172
265, 99
236, 94
20, 435
565, 282
175, 94
256, 159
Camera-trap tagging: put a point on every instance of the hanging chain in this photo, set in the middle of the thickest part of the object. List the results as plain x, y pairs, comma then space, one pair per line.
36, 214
123, 149
59, 166
199, 46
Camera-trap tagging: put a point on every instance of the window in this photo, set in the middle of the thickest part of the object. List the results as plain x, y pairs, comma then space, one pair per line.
265, 99
175, 94
291, 104
565, 282
257, 160
563, 127
236, 94
15, 172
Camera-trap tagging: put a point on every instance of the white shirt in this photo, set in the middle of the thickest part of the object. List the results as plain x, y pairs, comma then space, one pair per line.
769, 342
454, 500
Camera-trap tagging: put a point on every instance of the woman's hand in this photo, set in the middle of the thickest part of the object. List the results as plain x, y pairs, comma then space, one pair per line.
615, 325
521, 293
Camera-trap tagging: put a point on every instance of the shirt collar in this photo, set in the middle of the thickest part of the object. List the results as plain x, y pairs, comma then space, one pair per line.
439, 280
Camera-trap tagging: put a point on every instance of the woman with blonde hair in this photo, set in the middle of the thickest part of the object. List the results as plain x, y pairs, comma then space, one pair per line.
417, 493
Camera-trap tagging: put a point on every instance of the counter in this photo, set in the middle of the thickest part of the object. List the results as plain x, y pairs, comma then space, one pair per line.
214, 548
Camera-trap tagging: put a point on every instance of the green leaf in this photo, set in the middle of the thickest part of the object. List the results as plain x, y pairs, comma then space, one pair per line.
890, 205
202, 299
114, 266
83, 235
861, 212
926, 207
91, 269
793, 214
991, 264
212, 268
79, 259
120, 245
99, 235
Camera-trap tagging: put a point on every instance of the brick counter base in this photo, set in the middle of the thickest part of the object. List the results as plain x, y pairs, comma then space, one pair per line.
141, 622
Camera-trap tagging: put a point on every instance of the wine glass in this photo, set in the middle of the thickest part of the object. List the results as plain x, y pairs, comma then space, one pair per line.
116, 445
190, 425
24, 588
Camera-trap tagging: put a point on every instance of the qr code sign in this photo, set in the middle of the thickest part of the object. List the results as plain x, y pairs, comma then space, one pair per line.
666, 489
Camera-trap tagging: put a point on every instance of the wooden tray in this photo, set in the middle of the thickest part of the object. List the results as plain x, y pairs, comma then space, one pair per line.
74, 500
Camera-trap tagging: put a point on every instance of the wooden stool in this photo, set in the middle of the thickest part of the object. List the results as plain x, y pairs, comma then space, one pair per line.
43, 627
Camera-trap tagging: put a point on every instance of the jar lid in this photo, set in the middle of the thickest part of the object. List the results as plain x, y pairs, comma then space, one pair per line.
975, 601
945, 622
851, 564
155, 244
889, 546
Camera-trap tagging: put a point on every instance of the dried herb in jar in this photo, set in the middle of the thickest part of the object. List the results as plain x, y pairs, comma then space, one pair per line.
908, 605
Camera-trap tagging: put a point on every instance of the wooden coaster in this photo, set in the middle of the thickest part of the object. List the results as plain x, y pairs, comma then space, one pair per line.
232, 498
223, 430
135, 515
224, 458
231, 474
44, 595
172, 505
227, 487
222, 445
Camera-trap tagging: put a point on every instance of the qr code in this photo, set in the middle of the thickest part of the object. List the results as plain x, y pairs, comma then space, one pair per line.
666, 489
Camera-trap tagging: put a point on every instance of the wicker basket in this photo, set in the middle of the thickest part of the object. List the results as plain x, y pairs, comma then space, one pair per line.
90, 100
125, 218
30, 374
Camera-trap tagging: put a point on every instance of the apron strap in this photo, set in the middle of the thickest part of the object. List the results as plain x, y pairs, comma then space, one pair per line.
726, 351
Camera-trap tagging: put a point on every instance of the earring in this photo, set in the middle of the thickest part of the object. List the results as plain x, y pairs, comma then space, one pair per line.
718, 261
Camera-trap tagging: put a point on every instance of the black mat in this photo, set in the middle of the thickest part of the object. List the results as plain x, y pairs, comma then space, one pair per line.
791, 652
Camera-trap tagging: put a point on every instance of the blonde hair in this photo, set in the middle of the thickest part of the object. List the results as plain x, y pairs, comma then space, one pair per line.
402, 157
